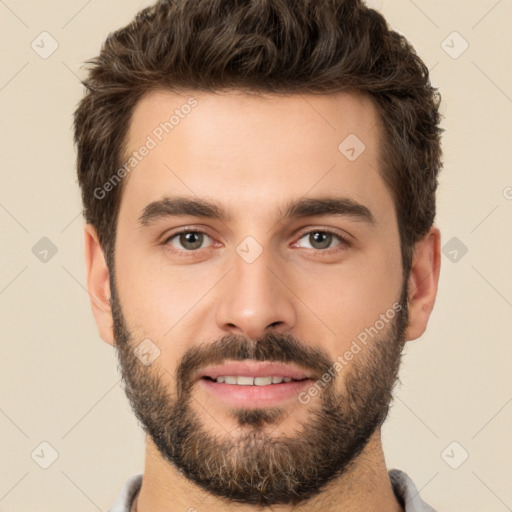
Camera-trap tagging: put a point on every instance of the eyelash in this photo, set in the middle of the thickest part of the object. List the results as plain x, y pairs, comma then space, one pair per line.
344, 243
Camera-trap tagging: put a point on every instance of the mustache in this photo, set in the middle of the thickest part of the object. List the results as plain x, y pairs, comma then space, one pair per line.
272, 347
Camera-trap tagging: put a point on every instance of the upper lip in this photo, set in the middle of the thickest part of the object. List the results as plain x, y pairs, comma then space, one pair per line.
254, 369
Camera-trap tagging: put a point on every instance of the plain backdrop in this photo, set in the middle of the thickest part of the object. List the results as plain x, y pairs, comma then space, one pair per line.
449, 427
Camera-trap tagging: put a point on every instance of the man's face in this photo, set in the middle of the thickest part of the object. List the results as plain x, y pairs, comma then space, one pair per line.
304, 287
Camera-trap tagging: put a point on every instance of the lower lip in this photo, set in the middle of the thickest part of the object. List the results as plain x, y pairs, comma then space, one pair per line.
254, 396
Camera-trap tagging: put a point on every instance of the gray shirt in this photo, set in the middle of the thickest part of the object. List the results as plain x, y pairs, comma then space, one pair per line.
403, 486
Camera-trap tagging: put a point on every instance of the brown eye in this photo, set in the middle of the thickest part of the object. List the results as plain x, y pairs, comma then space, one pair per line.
320, 239
187, 240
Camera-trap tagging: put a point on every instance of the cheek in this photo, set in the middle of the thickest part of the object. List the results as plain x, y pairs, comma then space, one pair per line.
349, 298
160, 301
145, 299
157, 309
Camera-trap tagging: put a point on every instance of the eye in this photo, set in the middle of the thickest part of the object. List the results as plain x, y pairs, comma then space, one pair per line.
191, 240
321, 239
188, 240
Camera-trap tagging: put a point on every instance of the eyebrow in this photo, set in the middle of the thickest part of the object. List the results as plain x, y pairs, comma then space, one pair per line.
297, 208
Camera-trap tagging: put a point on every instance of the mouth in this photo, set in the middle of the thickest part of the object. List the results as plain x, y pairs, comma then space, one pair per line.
252, 373
243, 380
253, 384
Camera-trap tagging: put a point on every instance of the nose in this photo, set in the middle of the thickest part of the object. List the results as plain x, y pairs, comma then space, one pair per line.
254, 299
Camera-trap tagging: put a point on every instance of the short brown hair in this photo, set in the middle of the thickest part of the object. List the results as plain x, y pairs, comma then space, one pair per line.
267, 46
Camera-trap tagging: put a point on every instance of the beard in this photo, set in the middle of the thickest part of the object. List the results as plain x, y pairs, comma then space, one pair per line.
256, 467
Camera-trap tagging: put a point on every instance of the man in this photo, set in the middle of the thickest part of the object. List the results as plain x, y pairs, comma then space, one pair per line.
259, 181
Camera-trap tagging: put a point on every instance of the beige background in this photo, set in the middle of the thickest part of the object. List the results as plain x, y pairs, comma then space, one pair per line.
58, 381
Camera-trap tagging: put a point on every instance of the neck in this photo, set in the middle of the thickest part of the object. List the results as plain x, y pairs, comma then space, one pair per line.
366, 486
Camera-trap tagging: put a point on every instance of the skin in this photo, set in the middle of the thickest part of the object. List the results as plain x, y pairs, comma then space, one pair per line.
252, 155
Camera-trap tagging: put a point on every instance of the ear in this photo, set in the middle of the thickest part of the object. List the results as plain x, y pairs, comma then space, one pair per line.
98, 284
423, 282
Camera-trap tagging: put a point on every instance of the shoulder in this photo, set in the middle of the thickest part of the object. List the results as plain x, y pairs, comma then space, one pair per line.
125, 498
407, 493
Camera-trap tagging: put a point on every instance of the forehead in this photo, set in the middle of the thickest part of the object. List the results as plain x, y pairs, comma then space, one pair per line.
253, 150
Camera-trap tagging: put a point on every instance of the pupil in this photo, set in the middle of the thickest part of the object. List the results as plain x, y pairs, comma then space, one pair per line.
321, 238
191, 240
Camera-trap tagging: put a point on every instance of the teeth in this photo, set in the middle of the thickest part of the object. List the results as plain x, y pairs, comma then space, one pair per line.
252, 381
244, 381
262, 381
